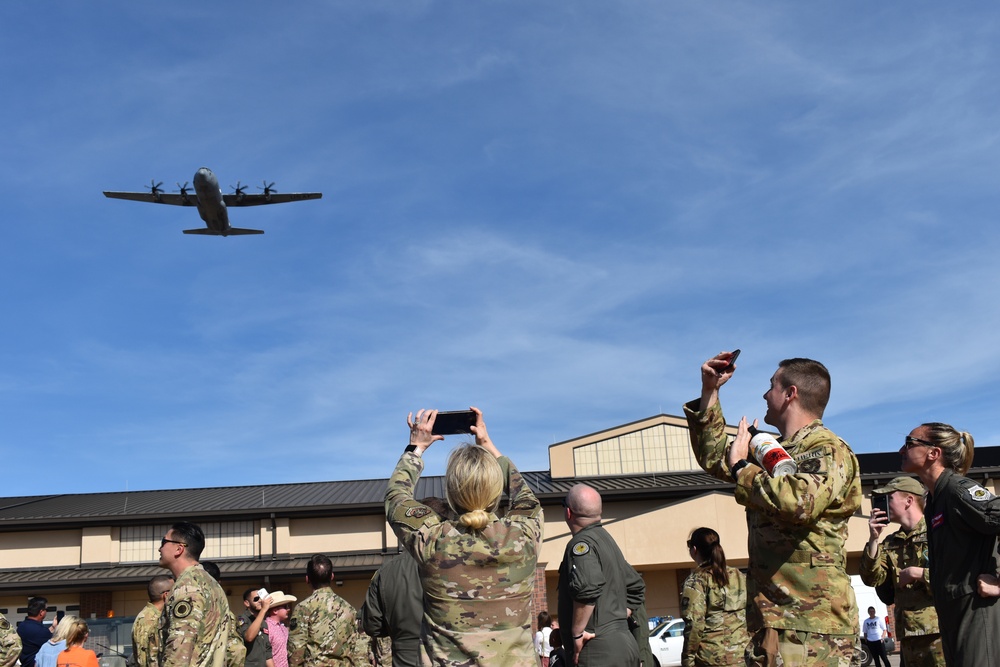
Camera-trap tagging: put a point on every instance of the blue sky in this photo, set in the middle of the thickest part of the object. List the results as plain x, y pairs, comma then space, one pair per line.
553, 211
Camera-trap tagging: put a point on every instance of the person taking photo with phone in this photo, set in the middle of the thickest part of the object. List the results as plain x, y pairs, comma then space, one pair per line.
477, 570
901, 563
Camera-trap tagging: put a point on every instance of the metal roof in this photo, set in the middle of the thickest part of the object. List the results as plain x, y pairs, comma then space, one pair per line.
356, 497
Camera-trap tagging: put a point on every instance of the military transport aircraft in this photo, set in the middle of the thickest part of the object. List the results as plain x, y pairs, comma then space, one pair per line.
212, 203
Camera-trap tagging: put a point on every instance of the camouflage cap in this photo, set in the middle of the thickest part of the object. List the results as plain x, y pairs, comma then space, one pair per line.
907, 484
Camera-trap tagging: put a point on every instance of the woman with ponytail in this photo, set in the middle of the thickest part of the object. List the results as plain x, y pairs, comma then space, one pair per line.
714, 606
477, 570
963, 521
75, 655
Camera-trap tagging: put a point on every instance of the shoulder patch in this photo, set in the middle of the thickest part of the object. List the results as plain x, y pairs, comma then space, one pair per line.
812, 465
418, 512
242, 621
979, 494
581, 549
4, 624
293, 624
182, 609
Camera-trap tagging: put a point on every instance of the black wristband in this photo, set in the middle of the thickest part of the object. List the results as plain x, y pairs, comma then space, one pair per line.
737, 467
410, 448
579, 636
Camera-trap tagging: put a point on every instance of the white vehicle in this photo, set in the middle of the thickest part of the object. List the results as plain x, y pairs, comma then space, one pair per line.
667, 642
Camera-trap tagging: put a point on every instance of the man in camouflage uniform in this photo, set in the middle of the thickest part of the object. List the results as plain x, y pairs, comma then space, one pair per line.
194, 625
146, 627
802, 609
598, 589
236, 650
902, 560
323, 629
10, 643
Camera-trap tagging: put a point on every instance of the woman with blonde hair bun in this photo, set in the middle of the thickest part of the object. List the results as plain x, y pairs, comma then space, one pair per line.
477, 570
963, 521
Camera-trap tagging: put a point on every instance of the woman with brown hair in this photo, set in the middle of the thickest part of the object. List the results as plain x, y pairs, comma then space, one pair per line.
714, 604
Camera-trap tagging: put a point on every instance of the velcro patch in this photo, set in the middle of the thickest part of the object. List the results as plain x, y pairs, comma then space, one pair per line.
581, 549
937, 520
182, 609
293, 624
418, 512
979, 494
242, 621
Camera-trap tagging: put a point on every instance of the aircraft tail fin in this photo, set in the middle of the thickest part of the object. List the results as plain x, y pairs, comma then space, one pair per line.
232, 231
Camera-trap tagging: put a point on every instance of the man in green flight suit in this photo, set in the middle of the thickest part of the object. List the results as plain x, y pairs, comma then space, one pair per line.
598, 589
801, 608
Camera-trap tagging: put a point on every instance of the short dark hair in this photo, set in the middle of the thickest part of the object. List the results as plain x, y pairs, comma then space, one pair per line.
212, 569
319, 571
37, 605
191, 536
158, 585
811, 378
871, 609
249, 593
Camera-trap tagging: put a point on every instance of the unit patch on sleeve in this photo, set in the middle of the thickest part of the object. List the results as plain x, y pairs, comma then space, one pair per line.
581, 549
979, 494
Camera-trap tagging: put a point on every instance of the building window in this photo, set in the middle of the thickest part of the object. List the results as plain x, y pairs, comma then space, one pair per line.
660, 448
223, 539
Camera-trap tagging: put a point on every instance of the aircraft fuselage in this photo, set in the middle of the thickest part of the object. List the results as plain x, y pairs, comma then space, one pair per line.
211, 208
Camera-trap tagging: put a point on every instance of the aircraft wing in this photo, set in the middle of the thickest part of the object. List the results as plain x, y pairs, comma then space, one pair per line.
159, 198
272, 198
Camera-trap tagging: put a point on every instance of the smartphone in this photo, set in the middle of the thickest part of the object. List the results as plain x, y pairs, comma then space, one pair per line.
456, 421
881, 503
732, 361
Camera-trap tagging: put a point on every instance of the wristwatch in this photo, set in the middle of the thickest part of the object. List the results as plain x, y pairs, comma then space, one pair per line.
737, 467
410, 448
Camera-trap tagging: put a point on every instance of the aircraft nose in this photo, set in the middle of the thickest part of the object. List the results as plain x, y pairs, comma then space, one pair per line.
202, 174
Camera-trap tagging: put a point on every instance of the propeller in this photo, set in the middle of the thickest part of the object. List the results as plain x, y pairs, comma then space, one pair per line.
183, 189
239, 190
154, 187
268, 188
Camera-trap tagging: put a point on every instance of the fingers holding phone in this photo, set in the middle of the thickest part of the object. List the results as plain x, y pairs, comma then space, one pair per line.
422, 429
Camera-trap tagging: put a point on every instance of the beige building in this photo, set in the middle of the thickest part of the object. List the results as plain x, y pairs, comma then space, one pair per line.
92, 554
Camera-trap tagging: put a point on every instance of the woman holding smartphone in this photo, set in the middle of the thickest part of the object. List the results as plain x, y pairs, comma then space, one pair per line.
963, 520
477, 570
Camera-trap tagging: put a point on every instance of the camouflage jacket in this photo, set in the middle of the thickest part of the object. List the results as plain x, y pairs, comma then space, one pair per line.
236, 650
797, 526
715, 618
322, 632
914, 604
146, 636
194, 625
477, 584
10, 643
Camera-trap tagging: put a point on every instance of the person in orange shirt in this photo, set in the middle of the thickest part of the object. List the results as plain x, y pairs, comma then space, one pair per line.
75, 655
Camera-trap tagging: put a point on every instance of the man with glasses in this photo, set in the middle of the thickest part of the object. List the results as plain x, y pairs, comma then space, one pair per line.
803, 610
254, 630
194, 625
901, 560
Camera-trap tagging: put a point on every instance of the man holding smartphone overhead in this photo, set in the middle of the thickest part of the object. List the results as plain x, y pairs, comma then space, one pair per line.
902, 561
801, 607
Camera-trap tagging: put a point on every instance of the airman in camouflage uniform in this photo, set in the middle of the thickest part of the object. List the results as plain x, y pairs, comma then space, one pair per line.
322, 631
803, 609
477, 583
715, 619
916, 618
10, 643
194, 625
146, 626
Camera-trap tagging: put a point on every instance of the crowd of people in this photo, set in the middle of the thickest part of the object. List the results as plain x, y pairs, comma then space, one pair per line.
461, 592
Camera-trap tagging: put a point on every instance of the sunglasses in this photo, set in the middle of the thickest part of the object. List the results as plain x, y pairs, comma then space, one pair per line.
912, 442
164, 542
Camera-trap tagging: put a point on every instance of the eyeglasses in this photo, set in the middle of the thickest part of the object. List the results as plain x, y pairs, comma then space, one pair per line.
912, 442
164, 541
